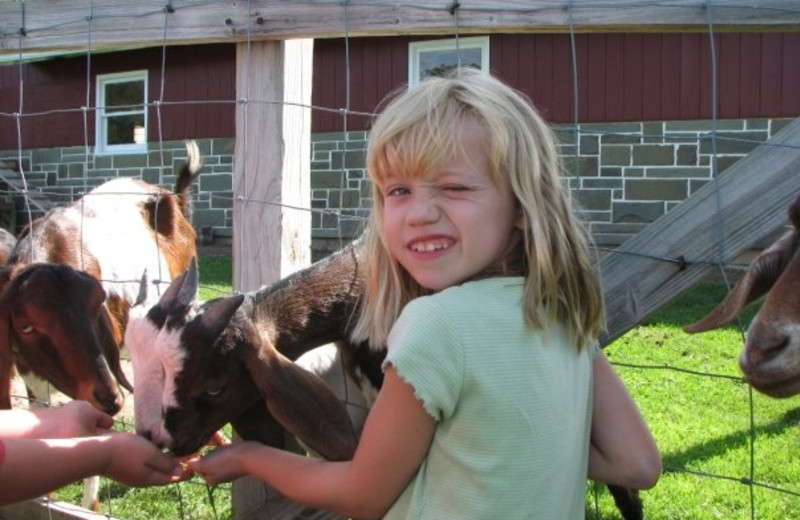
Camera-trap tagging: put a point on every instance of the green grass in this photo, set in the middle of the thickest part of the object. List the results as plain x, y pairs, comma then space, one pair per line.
702, 423
689, 390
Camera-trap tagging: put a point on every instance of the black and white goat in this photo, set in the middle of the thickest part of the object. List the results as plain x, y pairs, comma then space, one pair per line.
229, 361
74, 274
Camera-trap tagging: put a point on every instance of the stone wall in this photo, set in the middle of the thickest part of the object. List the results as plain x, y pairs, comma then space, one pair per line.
623, 175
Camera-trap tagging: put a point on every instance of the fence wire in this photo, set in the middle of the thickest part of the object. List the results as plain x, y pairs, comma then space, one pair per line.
460, 14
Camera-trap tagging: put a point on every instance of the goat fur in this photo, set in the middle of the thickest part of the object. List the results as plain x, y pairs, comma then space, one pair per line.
72, 277
770, 359
236, 358
7, 243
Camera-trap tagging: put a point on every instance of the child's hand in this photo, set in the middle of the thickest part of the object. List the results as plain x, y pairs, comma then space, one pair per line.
223, 464
72, 419
135, 461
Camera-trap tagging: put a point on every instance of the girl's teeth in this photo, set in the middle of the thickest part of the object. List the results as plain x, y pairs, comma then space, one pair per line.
428, 247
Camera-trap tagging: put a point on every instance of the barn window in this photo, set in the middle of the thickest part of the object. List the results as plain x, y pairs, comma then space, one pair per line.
436, 57
122, 113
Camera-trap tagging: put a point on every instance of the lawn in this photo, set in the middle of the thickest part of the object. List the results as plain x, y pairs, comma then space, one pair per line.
715, 434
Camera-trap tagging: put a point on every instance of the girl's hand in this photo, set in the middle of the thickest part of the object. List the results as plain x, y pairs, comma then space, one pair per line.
224, 464
72, 419
135, 461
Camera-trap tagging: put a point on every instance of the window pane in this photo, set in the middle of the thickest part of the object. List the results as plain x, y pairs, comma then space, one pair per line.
121, 129
128, 95
438, 62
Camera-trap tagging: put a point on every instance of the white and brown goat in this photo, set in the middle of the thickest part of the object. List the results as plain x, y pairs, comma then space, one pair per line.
74, 274
7, 243
229, 361
770, 360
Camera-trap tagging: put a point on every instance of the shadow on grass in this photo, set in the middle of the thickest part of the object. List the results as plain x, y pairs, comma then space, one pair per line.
677, 461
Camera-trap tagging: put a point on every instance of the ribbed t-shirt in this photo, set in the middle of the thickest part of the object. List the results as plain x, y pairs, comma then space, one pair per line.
512, 406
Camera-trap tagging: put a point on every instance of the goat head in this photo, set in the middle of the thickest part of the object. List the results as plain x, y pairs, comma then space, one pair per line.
217, 366
53, 322
770, 360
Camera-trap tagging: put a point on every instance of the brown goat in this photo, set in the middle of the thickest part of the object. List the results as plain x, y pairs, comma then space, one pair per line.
74, 274
770, 360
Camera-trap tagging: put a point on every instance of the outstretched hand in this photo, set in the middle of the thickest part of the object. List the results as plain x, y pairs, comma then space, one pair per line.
135, 461
223, 464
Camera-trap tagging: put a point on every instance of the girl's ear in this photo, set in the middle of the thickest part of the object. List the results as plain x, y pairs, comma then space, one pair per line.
520, 222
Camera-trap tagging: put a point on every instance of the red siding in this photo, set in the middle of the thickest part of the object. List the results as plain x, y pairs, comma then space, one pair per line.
54, 92
621, 77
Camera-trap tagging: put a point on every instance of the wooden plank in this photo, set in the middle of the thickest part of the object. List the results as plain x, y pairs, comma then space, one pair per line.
272, 175
753, 197
59, 25
272, 231
44, 509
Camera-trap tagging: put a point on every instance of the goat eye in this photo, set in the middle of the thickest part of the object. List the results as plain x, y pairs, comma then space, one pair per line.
27, 329
213, 391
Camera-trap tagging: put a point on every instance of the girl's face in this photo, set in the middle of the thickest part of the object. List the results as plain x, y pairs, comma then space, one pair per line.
451, 226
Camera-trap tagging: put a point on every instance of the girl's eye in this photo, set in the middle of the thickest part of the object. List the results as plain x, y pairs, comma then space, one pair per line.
397, 190
455, 188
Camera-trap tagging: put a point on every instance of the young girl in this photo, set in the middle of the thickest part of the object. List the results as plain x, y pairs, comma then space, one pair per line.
482, 286
47, 448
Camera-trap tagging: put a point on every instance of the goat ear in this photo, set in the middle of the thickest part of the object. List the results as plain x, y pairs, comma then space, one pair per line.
302, 403
6, 353
764, 270
110, 348
218, 313
183, 289
141, 296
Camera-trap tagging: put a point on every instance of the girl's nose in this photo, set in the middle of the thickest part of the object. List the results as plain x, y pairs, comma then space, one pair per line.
424, 210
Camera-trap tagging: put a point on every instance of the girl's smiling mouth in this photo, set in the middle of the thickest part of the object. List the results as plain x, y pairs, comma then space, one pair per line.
430, 246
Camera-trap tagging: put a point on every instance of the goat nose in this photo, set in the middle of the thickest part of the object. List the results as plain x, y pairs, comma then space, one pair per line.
111, 403
763, 346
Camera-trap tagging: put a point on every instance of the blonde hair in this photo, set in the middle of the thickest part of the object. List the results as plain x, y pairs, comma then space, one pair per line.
418, 130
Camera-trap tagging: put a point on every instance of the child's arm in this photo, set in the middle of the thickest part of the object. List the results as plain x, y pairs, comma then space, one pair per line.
622, 450
32, 467
73, 419
394, 443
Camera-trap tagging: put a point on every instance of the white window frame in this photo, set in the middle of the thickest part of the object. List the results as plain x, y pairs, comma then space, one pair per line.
417, 49
101, 118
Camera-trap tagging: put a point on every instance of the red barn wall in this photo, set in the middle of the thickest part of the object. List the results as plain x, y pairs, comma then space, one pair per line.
621, 77
54, 91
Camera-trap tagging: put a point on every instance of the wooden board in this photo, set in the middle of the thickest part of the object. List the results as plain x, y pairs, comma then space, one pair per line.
711, 228
47, 25
44, 509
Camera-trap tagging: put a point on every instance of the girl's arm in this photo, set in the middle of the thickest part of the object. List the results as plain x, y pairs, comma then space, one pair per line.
394, 443
33, 467
622, 449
